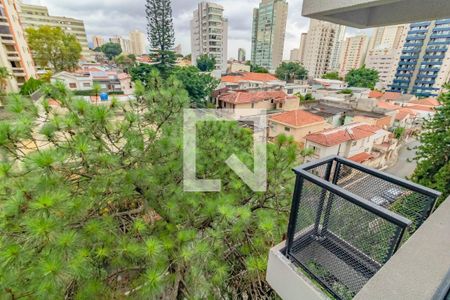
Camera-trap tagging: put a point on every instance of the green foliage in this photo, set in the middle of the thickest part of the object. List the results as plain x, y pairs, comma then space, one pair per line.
161, 33
206, 63
306, 98
95, 93
362, 77
95, 208
399, 133
54, 49
198, 85
111, 50
125, 62
433, 169
290, 71
255, 68
30, 86
4, 76
332, 76
346, 92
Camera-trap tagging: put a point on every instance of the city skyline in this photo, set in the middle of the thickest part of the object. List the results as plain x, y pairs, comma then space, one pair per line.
122, 17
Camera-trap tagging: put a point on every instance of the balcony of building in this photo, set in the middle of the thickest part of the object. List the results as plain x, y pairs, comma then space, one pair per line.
350, 223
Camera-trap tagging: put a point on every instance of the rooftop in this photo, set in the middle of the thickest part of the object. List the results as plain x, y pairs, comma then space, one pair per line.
427, 102
248, 76
336, 136
253, 97
297, 118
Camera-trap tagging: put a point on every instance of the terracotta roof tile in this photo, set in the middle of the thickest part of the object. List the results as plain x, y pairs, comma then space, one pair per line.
391, 96
421, 107
375, 94
249, 76
387, 105
336, 136
248, 97
297, 118
427, 102
361, 157
403, 113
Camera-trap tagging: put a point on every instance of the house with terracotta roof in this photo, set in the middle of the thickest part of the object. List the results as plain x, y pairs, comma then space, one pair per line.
74, 81
347, 141
296, 123
266, 100
405, 118
249, 80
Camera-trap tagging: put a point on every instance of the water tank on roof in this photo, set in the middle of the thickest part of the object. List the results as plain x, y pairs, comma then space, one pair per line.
104, 97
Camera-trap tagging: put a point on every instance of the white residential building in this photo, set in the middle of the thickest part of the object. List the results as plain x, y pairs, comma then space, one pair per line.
37, 15
353, 54
15, 54
320, 48
97, 41
268, 33
209, 34
125, 44
389, 37
301, 53
385, 61
138, 42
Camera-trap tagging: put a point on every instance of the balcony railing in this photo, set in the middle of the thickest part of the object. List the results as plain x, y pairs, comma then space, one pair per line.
348, 220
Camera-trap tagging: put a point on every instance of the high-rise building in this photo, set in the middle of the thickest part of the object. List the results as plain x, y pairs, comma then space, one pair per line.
389, 37
241, 55
268, 33
125, 44
209, 34
353, 54
97, 41
385, 61
319, 54
295, 53
178, 49
15, 54
301, 51
36, 16
424, 65
138, 44
337, 49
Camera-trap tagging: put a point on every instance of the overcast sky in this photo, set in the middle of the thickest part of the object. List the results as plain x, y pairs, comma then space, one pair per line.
119, 17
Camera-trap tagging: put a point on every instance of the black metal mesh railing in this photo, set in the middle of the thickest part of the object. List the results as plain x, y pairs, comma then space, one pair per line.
348, 220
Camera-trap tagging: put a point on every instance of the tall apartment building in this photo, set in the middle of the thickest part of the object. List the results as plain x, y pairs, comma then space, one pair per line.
295, 54
138, 42
424, 65
268, 33
209, 34
97, 41
353, 54
178, 49
36, 16
14, 52
125, 44
241, 55
385, 61
301, 50
321, 47
384, 52
337, 49
389, 37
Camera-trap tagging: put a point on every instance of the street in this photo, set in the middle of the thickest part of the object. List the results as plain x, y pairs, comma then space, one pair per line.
403, 168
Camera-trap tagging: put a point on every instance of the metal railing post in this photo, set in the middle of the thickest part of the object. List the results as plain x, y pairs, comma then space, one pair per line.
323, 194
330, 199
294, 213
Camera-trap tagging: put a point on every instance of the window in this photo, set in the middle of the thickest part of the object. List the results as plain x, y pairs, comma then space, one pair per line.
253, 105
354, 143
73, 85
290, 91
86, 84
287, 129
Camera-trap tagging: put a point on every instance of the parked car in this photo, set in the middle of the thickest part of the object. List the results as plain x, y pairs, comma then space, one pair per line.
379, 201
393, 194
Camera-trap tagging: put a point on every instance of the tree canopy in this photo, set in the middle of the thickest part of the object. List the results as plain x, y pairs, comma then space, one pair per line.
111, 50
255, 68
198, 85
161, 33
291, 71
433, 155
362, 77
332, 76
206, 63
54, 49
92, 203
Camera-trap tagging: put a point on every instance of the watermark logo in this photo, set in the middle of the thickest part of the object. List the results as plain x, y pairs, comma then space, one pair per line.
256, 179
